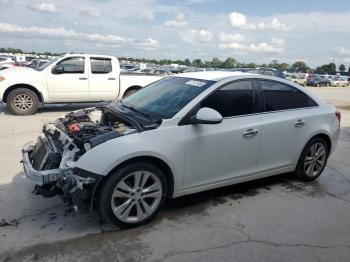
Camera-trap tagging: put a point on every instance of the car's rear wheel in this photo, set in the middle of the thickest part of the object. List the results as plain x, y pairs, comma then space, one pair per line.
22, 101
313, 159
133, 195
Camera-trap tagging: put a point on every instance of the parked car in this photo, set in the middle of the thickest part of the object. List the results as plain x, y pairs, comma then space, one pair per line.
317, 81
35, 63
160, 72
129, 68
292, 77
261, 71
68, 78
178, 136
6, 60
343, 81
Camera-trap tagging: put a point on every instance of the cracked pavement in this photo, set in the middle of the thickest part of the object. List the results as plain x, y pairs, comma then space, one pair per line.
274, 219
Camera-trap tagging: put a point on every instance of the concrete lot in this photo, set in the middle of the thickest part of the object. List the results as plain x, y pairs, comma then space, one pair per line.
274, 219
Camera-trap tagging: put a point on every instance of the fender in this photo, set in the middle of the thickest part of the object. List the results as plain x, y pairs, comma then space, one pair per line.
25, 76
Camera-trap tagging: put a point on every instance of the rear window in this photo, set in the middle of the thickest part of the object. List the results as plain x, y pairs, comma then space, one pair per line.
303, 100
277, 96
101, 65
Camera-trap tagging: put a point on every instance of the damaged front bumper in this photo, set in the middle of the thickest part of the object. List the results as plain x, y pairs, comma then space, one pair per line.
50, 165
40, 178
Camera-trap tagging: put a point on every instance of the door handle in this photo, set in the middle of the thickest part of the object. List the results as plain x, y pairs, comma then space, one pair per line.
111, 78
250, 132
82, 78
299, 123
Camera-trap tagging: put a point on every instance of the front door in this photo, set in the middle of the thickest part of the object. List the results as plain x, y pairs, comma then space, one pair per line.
221, 152
71, 84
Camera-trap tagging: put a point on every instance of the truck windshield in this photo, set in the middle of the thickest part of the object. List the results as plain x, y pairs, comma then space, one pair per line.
164, 98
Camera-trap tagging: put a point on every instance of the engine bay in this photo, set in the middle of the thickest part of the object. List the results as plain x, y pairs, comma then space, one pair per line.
93, 126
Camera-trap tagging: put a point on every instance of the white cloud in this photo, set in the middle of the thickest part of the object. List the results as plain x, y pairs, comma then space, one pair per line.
342, 51
90, 12
275, 47
147, 15
45, 7
275, 24
149, 45
277, 41
239, 20
223, 37
317, 21
201, 36
179, 21
61, 33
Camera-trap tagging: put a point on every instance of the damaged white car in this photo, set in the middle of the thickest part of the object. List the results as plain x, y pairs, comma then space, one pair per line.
181, 135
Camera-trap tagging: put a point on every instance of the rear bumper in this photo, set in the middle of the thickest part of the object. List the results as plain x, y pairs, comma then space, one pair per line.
38, 177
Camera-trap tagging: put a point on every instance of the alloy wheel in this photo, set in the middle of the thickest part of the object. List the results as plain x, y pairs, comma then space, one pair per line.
136, 197
315, 159
23, 102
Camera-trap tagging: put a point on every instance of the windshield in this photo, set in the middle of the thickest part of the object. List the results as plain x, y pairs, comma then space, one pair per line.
42, 67
164, 98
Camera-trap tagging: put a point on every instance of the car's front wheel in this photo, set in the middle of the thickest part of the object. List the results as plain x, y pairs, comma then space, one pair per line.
133, 194
22, 101
313, 159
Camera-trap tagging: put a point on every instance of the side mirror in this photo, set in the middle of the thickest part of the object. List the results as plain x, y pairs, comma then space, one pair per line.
207, 115
58, 70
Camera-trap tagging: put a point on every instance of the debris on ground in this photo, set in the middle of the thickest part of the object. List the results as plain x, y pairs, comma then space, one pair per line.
5, 223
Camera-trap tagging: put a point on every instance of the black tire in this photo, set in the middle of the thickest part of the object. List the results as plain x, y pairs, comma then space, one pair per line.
300, 169
129, 92
31, 96
105, 196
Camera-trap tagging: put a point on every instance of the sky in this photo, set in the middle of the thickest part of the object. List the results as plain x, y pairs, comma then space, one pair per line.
314, 31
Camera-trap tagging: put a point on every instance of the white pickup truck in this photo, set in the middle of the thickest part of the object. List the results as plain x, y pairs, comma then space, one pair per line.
70, 78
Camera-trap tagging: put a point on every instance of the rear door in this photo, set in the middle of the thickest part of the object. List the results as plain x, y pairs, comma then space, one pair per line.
104, 79
285, 124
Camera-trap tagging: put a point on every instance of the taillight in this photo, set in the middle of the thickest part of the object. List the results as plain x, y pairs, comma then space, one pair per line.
338, 115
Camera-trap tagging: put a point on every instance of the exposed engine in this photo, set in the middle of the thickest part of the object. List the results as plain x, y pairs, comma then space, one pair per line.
91, 127
63, 142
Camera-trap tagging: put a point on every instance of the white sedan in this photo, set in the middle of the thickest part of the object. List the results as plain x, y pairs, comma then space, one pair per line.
180, 135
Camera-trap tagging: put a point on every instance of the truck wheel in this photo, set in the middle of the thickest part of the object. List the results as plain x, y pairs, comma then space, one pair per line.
22, 101
133, 194
130, 92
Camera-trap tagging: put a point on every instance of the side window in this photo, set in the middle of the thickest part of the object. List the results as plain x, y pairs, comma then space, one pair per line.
277, 96
233, 99
101, 65
303, 100
73, 65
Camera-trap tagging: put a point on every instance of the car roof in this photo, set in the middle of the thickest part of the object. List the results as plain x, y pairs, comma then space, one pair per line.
212, 75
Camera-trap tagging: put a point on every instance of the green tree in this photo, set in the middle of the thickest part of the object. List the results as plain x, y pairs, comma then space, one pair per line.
300, 66
197, 63
342, 68
216, 62
229, 62
330, 69
187, 62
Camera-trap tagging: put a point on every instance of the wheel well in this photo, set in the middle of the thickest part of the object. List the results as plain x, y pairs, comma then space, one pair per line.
155, 161
325, 138
132, 88
11, 88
